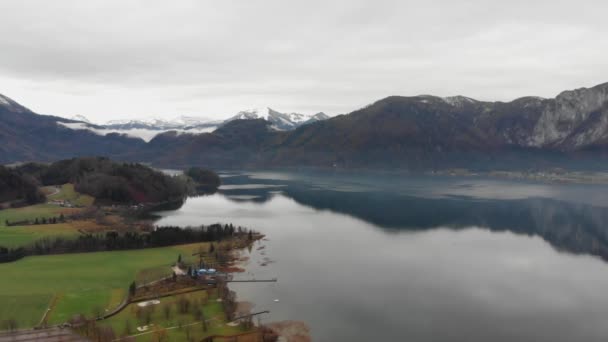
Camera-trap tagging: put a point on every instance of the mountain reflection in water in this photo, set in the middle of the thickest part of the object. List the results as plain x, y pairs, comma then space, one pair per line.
369, 257
419, 203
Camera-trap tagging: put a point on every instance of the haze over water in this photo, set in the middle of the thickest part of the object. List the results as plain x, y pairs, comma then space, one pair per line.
377, 257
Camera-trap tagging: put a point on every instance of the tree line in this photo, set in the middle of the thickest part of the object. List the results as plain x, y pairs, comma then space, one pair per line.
18, 188
43, 220
110, 181
112, 240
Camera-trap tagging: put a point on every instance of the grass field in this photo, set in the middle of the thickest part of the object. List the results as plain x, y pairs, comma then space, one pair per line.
82, 282
212, 309
32, 212
23, 235
67, 193
15, 236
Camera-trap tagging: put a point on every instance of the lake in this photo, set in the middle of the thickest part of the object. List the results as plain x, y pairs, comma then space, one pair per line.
380, 257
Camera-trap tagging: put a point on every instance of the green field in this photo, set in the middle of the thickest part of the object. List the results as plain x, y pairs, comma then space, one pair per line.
82, 282
212, 309
15, 236
67, 193
22, 235
31, 213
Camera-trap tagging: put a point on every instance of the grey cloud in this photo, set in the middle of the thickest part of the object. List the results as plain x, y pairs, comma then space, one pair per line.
107, 59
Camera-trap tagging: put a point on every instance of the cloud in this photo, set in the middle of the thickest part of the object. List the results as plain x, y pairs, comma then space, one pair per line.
113, 59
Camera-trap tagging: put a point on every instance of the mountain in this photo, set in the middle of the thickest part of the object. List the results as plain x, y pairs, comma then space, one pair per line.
27, 136
81, 118
148, 128
428, 132
418, 132
179, 123
279, 121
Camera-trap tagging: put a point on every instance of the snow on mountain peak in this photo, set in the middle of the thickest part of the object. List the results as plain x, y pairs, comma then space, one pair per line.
279, 121
11, 105
81, 118
458, 100
4, 100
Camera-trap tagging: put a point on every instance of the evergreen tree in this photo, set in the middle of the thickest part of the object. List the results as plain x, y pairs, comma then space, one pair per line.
132, 288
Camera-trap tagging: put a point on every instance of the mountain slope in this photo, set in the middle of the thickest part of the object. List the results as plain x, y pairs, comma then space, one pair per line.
26, 136
418, 132
431, 132
147, 129
279, 121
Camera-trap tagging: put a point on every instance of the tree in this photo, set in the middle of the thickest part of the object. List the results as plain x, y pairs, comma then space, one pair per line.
160, 334
132, 288
97, 312
204, 322
36, 221
167, 311
10, 324
148, 310
187, 331
61, 217
183, 305
105, 334
179, 259
197, 313
128, 327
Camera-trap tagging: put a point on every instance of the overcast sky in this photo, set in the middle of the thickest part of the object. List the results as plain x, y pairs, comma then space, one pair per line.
131, 59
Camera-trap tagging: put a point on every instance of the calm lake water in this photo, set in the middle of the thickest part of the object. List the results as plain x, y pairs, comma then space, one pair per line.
389, 258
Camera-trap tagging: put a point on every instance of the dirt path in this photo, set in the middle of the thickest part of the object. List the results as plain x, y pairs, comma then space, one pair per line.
57, 190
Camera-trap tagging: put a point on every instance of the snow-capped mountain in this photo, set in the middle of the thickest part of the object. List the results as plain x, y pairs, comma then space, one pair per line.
148, 128
11, 105
180, 122
280, 121
81, 118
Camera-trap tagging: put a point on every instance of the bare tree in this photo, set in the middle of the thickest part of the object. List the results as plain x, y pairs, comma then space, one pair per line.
187, 331
10, 324
167, 310
128, 327
160, 335
204, 322
148, 311
183, 305
97, 312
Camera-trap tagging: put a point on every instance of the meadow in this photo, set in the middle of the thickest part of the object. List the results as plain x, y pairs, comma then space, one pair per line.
76, 283
178, 326
15, 236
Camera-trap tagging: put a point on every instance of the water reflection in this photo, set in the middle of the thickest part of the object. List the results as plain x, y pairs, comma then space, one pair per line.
557, 213
396, 259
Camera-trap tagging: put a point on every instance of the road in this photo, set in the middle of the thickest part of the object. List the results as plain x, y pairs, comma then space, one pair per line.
47, 335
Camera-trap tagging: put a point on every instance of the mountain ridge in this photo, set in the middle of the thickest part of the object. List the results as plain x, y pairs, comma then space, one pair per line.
422, 131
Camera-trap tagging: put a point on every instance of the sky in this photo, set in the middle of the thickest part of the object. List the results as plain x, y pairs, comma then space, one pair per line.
118, 59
